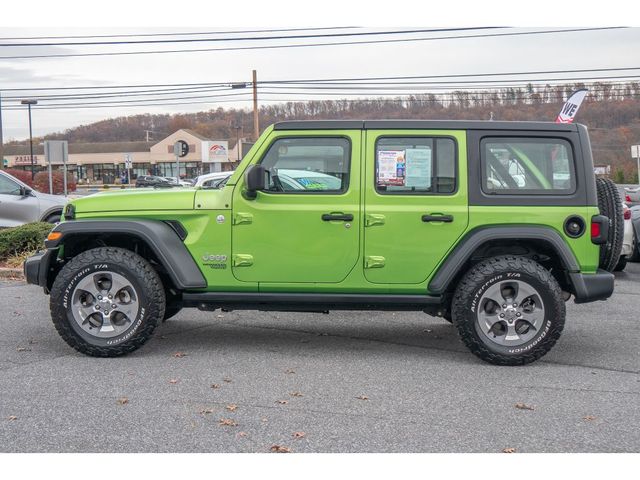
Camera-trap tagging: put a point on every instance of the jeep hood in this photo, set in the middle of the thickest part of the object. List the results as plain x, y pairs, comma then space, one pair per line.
136, 200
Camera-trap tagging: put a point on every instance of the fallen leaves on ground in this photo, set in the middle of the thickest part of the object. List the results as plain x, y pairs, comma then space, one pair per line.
280, 449
282, 402
215, 385
265, 419
509, 450
362, 397
227, 422
227, 380
33, 342
523, 406
590, 418
122, 401
290, 371
206, 411
12, 417
296, 394
23, 349
241, 434
299, 434
179, 354
232, 407
173, 381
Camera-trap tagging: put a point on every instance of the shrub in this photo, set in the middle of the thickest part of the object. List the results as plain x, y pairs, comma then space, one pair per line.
41, 182
22, 175
28, 237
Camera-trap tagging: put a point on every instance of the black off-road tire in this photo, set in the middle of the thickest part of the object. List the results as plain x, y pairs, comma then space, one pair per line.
466, 303
137, 271
610, 206
620, 266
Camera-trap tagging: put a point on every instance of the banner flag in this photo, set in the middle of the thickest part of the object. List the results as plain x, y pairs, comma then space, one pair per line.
571, 106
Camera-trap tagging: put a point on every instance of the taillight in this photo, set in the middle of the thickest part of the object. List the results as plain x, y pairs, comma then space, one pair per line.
627, 198
599, 229
627, 213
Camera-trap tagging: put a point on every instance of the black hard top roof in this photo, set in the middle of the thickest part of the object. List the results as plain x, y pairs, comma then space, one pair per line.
421, 125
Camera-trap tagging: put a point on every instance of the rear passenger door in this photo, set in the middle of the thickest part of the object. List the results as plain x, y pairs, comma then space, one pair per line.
415, 202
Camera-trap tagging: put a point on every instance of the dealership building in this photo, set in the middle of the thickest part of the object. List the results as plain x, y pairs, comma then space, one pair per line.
105, 162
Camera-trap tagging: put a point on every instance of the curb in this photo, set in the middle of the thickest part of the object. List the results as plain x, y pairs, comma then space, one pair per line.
11, 274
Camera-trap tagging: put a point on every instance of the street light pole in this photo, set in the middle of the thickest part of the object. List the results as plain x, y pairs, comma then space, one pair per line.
28, 103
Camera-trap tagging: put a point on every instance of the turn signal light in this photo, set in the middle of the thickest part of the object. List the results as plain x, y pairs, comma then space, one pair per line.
53, 236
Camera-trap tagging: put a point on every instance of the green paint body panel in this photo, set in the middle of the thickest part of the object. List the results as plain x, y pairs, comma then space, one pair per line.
278, 242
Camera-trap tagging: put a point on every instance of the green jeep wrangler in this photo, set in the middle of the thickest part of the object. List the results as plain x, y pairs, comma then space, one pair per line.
490, 225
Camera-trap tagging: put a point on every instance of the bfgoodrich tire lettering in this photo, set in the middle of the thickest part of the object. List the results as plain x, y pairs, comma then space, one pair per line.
145, 287
541, 295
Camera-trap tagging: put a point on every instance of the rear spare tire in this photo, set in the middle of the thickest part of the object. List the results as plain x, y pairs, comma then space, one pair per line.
610, 206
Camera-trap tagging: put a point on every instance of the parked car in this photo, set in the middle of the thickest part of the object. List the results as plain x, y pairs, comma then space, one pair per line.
392, 215
632, 195
628, 239
213, 180
635, 222
152, 181
19, 203
174, 182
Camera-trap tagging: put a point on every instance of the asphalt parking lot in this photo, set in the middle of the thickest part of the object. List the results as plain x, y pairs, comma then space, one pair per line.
344, 382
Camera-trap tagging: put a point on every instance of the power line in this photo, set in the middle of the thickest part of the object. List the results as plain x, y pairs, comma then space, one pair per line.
322, 80
175, 34
263, 47
242, 39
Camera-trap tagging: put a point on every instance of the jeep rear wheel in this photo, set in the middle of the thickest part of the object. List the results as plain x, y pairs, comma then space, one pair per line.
107, 302
509, 310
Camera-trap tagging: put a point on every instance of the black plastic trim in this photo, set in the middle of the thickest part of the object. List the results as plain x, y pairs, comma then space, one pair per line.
178, 228
590, 288
307, 301
605, 224
36, 267
422, 125
475, 238
159, 236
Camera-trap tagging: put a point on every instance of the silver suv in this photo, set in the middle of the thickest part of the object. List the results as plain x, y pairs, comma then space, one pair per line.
20, 204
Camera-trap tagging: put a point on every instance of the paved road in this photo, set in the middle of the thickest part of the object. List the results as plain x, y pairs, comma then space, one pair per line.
419, 389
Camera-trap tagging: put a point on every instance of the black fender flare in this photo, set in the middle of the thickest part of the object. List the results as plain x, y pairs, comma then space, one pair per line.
161, 238
476, 237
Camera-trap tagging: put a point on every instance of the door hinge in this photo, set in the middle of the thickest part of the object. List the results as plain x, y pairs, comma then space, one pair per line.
374, 262
372, 219
242, 260
240, 218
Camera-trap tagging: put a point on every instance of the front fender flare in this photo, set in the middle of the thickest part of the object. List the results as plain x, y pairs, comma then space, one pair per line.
161, 238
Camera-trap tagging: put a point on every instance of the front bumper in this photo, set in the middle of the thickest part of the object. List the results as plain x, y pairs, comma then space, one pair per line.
589, 288
37, 267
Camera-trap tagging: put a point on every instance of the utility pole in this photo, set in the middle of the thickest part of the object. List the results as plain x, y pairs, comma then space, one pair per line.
28, 103
256, 126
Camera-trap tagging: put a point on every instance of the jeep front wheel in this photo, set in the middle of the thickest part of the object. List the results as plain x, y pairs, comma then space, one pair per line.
107, 302
509, 310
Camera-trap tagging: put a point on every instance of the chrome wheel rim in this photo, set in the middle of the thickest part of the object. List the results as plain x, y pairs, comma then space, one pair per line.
104, 304
510, 313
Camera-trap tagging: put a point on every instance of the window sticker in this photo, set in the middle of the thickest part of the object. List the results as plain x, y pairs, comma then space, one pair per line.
391, 167
418, 167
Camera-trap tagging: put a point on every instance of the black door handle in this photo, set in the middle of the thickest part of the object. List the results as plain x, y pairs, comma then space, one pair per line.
345, 217
437, 218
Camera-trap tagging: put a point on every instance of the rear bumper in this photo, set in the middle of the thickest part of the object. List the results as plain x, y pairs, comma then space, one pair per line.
36, 267
589, 288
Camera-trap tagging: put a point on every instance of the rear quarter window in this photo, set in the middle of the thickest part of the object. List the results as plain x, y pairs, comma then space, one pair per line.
531, 166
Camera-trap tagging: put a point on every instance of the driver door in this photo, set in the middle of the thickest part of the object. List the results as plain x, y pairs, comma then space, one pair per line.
305, 226
16, 209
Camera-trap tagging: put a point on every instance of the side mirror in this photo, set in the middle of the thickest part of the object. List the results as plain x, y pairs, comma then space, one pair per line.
25, 192
255, 181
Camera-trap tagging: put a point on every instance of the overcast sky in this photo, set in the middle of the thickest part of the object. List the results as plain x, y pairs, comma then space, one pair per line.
562, 51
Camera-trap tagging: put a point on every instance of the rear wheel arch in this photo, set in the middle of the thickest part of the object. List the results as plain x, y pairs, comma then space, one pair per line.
542, 244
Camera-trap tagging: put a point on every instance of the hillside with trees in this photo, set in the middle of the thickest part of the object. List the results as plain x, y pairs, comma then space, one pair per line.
611, 111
